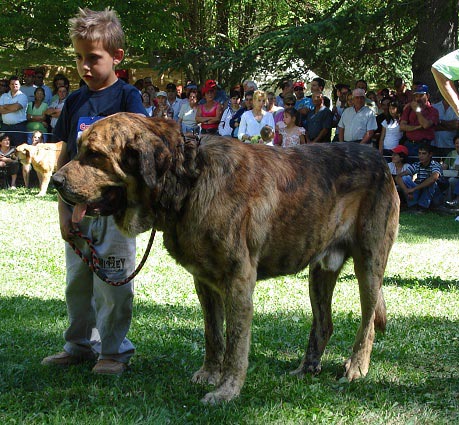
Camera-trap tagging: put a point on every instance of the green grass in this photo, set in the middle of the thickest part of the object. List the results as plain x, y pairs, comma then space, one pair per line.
414, 372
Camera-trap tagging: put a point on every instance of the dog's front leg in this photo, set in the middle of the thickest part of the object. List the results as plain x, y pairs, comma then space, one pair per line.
239, 314
214, 314
44, 182
26, 174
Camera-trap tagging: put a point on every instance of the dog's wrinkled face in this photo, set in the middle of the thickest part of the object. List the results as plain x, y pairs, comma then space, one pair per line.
119, 161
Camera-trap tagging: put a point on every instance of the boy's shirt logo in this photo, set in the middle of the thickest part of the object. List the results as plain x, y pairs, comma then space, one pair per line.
85, 122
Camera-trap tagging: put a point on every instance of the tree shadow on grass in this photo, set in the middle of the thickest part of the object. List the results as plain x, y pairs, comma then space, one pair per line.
431, 282
415, 361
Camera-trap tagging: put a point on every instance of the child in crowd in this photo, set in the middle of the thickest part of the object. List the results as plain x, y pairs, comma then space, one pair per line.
99, 314
224, 128
267, 135
291, 134
391, 133
37, 137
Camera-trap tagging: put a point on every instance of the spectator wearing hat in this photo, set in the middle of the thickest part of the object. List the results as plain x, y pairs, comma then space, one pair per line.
418, 120
13, 107
173, 100
28, 87
357, 123
419, 182
399, 157
209, 114
303, 103
446, 130
163, 110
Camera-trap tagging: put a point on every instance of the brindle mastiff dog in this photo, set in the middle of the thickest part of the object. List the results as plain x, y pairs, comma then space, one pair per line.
233, 213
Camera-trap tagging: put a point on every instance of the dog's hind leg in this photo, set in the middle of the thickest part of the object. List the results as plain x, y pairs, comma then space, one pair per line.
239, 314
370, 256
322, 282
213, 310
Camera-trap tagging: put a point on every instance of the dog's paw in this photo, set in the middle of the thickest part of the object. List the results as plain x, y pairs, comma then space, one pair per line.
206, 376
218, 396
354, 369
307, 369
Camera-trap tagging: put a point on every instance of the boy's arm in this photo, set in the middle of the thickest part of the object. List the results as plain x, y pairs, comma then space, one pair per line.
428, 181
64, 210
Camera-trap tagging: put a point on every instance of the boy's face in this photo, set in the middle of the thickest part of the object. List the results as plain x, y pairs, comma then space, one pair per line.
95, 64
424, 157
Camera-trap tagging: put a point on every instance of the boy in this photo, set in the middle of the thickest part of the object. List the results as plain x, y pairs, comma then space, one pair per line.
99, 314
424, 189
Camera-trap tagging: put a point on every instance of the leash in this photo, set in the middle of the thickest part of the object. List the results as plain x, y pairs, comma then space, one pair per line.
94, 262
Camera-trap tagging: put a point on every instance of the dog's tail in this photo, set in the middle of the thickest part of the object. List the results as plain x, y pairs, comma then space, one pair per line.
380, 313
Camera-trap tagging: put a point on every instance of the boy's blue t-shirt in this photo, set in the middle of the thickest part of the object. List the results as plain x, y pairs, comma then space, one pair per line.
119, 97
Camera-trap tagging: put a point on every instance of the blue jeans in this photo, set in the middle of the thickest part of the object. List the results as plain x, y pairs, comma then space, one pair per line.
423, 197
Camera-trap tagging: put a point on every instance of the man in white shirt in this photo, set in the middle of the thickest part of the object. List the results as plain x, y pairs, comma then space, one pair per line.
446, 128
357, 123
13, 107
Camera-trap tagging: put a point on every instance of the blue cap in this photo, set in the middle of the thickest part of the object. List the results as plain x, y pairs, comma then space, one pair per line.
421, 89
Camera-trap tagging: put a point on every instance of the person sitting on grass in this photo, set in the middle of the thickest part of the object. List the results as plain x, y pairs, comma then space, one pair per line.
8, 164
423, 191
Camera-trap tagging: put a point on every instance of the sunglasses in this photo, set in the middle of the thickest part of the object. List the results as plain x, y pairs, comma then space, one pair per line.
290, 104
298, 89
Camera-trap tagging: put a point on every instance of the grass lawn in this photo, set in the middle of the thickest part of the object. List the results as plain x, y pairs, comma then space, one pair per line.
414, 372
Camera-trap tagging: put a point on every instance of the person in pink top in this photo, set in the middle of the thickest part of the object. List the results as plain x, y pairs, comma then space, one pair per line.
210, 113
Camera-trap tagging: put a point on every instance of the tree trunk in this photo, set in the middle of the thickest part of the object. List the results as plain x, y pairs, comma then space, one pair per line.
437, 36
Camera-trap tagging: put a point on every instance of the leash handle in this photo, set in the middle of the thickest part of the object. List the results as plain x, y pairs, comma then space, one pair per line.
94, 263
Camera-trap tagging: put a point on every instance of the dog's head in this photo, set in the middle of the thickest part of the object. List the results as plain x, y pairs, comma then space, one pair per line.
119, 169
25, 153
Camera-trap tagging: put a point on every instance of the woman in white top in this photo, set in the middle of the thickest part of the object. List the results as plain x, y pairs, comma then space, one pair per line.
254, 120
391, 133
187, 114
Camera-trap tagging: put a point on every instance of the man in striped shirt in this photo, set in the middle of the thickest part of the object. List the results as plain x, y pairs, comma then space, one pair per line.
419, 181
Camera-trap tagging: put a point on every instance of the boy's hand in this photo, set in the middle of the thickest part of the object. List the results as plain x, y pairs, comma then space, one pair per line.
65, 221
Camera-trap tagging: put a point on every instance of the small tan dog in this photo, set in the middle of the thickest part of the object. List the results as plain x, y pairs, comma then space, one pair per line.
43, 158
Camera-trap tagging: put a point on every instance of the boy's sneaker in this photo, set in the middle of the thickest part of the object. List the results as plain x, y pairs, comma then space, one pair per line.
109, 367
64, 359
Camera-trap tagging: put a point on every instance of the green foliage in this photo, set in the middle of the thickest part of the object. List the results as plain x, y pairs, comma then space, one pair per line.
232, 40
413, 373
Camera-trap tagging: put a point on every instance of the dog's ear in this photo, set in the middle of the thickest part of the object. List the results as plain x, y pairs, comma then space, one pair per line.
151, 156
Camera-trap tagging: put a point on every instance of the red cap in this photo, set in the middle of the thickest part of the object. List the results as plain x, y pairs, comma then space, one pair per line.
209, 85
400, 149
298, 84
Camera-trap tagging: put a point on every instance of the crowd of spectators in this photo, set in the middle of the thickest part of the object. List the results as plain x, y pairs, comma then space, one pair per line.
397, 121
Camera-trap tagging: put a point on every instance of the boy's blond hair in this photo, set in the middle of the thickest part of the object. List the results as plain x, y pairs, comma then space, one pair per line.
98, 25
